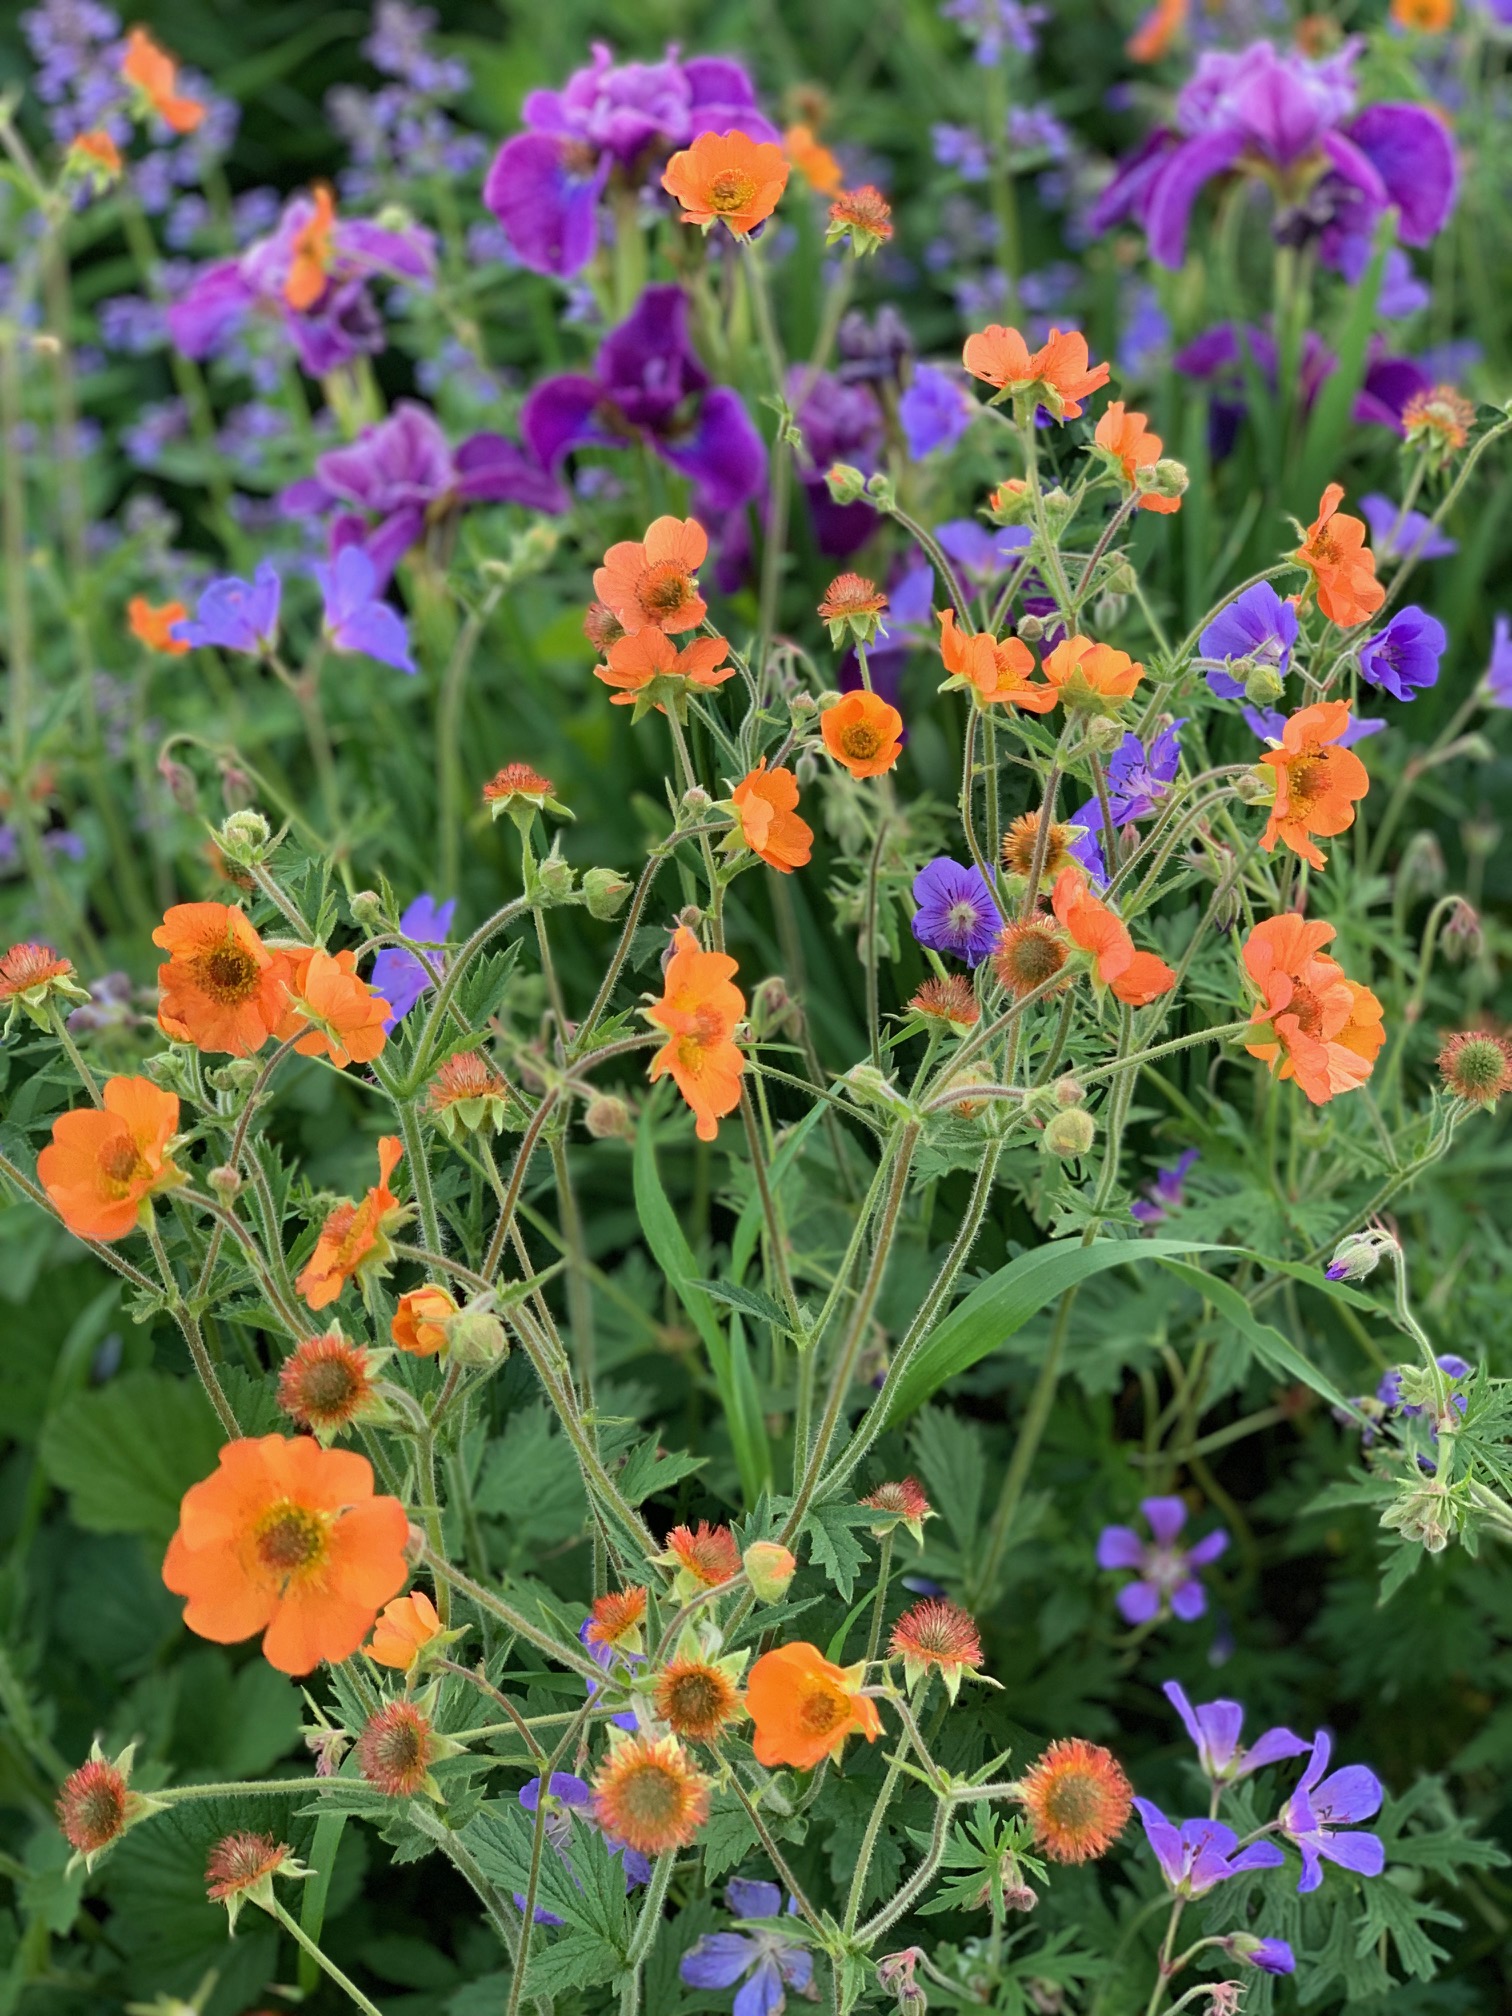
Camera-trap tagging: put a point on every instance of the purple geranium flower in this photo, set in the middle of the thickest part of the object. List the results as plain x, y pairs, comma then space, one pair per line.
1165, 1195
1316, 1811
567, 1797
1404, 657
1138, 777
1271, 1956
1214, 1728
764, 1958
935, 411
649, 385
237, 615
609, 1657
356, 616
1498, 677
1166, 1580
1269, 724
956, 913
1389, 1391
1200, 1854
398, 975
1395, 532
1257, 625
983, 553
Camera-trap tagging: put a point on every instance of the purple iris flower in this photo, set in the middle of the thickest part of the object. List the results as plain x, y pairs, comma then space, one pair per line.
1402, 293
1166, 1195
1222, 355
1286, 118
1404, 657
356, 616
839, 423
1138, 777
237, 615
1395, 533
398, 975
1166, 1578
934, 412
1214, 1728
1200, 1854
764, 1958
338, 327
1498, 678
956, 913
545, 191
404, 474
1269, 723
1256, 625
1320, 1807
566, 1796
648, 384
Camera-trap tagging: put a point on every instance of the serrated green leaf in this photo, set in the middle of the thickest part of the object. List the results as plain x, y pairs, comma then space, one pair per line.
126, 1453
751, 1301
647, 1470
573, 1960
833, 1543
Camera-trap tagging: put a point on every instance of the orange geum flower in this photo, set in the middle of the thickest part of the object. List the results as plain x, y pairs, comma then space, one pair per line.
287, 1539
649, 659
616, 1619
152, 72
1029, 951
95, 1804
221, 988
851, 606
1157, 31
726, 178
904, 1501
326, 1383
1077, 1799
153, 625
96, 157
699, 1008
863, 732
406, 1630
466, 1095
766, 819
1316, 780
1091, 676
1128, 441
1438, 421
650, 583
946, 998
804, 1706
1313, 1024
397, 1748
516, 780
31, 976
240, 1869
812, 159
993, 671
936, 1636
704, 1557
420, 1320
342, 1018
1021, 839
312, 253
698, 1697
1341, 564
1424, 17
649, 1793
1136, 978
1058, 376
863, 215
101, 1166
355, 1240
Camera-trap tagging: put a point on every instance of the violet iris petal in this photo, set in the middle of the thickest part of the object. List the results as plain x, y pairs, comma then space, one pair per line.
546, 197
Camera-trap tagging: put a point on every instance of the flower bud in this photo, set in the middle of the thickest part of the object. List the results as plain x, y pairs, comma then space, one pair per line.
1255, 787
1030, 628
554, 879
1103, 733
801, 706
880, 490
1463, 937
1119, 578
608, 1118
245, 838
868, 1087
367, 911
774, 1012
226, 1182
181, 783
846, 485
1069, 1091
236, 786
605, 891
1171, 478
1422, 1513
1263, 684
240, 1075
1108, 610
1359, 1255
696, 801
476, 1337
769, 1569
1069, 1133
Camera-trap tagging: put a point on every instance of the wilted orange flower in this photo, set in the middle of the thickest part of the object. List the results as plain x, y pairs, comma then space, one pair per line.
946, 998
1317, 781
704, 1556
222, 989
996, 671
1077, 1800
1093, 676
1476, 1065
1029, 951
403, 1630
906, 1500
31, 970
649, 654
863, 215
1157, 31
1060, 373
803, 1706
1427, 17
616, 1619
96, 152
396, 1750
765, 804
342, 1017
937, 1636
649, 583
154, 73
239, 1863
153, 626
696, 1698
517, 780
601, 626
1315, 1025
1441, 419
726, 178
852, 603
325, 1384
650, 1794
1135, 977
420, 1320
355, 1240
288, 1539
95, 1805
1342, 565
699, 1008
864, 733
467, 1092
1019, 843
1127, 438
310, 260
813, 159
99, 1167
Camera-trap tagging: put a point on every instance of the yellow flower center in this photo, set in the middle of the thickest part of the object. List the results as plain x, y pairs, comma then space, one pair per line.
229, 974
663, 589
730, 191
860, 741
290, 1540
823, 1708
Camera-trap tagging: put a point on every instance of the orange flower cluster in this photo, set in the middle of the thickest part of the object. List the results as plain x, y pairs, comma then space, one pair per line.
727, 178
1341, 564
1135, 978
648, 591
1313, 1024
1060, 374
101, 1166
996, 672
1128, 440
312, 254
699, 1008
152, 72
1317, 780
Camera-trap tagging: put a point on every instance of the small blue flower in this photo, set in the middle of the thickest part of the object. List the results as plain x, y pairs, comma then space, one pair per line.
934, 412
237, 615
1199, 1854
765, 1959
1498, 686
1404, 657
1166, 1194
1214, 1728
956, 913
1256, 625
356, 616
398, 975
1320, 1807
1394, 532
1138, 777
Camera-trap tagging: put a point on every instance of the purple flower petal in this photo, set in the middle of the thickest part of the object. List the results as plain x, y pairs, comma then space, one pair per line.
718, 1960
1166, 1517
547, 202
1138, 1602
752, 1899
1120, 1547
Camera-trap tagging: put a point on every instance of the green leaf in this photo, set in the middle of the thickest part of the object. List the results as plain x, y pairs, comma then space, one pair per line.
727, 1837
751, 1301
1276, 1353
949, 1450
576, 1960
1334, 407
126, 1453
833, 1543
1389, 1909
530, 1477
647, 1470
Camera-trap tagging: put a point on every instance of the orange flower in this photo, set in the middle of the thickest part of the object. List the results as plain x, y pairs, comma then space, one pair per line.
354, 1240
95, 1805
1157, 31
100, 1167
1057, 374
1342, 565
325, 1384
1317, 782
154, 73
937, 1636
1135, 977
905, 1501
310, 261
616, 1619
704, 1556
396, 1750
864, 733
695, 1698
222, 989
1315, 1025
995, 671
1077, 1800
1029, 951
242, 1866
1093, 676
699, 1008
342, 1017
30, 973
1019, 843
804, 1707
851, 605
649, 1793
467, 1094
403, 1630
420, 1320
947, 998
1439, 420
636, 661
288, 1539
154, 626
863, 215
1127, 438
728, 178
767, 821
1427, 17
813, 160
649, 583
96, 153
517, 780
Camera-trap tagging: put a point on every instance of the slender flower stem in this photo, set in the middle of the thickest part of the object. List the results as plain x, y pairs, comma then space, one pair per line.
328, 1966
647, 1925
61, 1031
